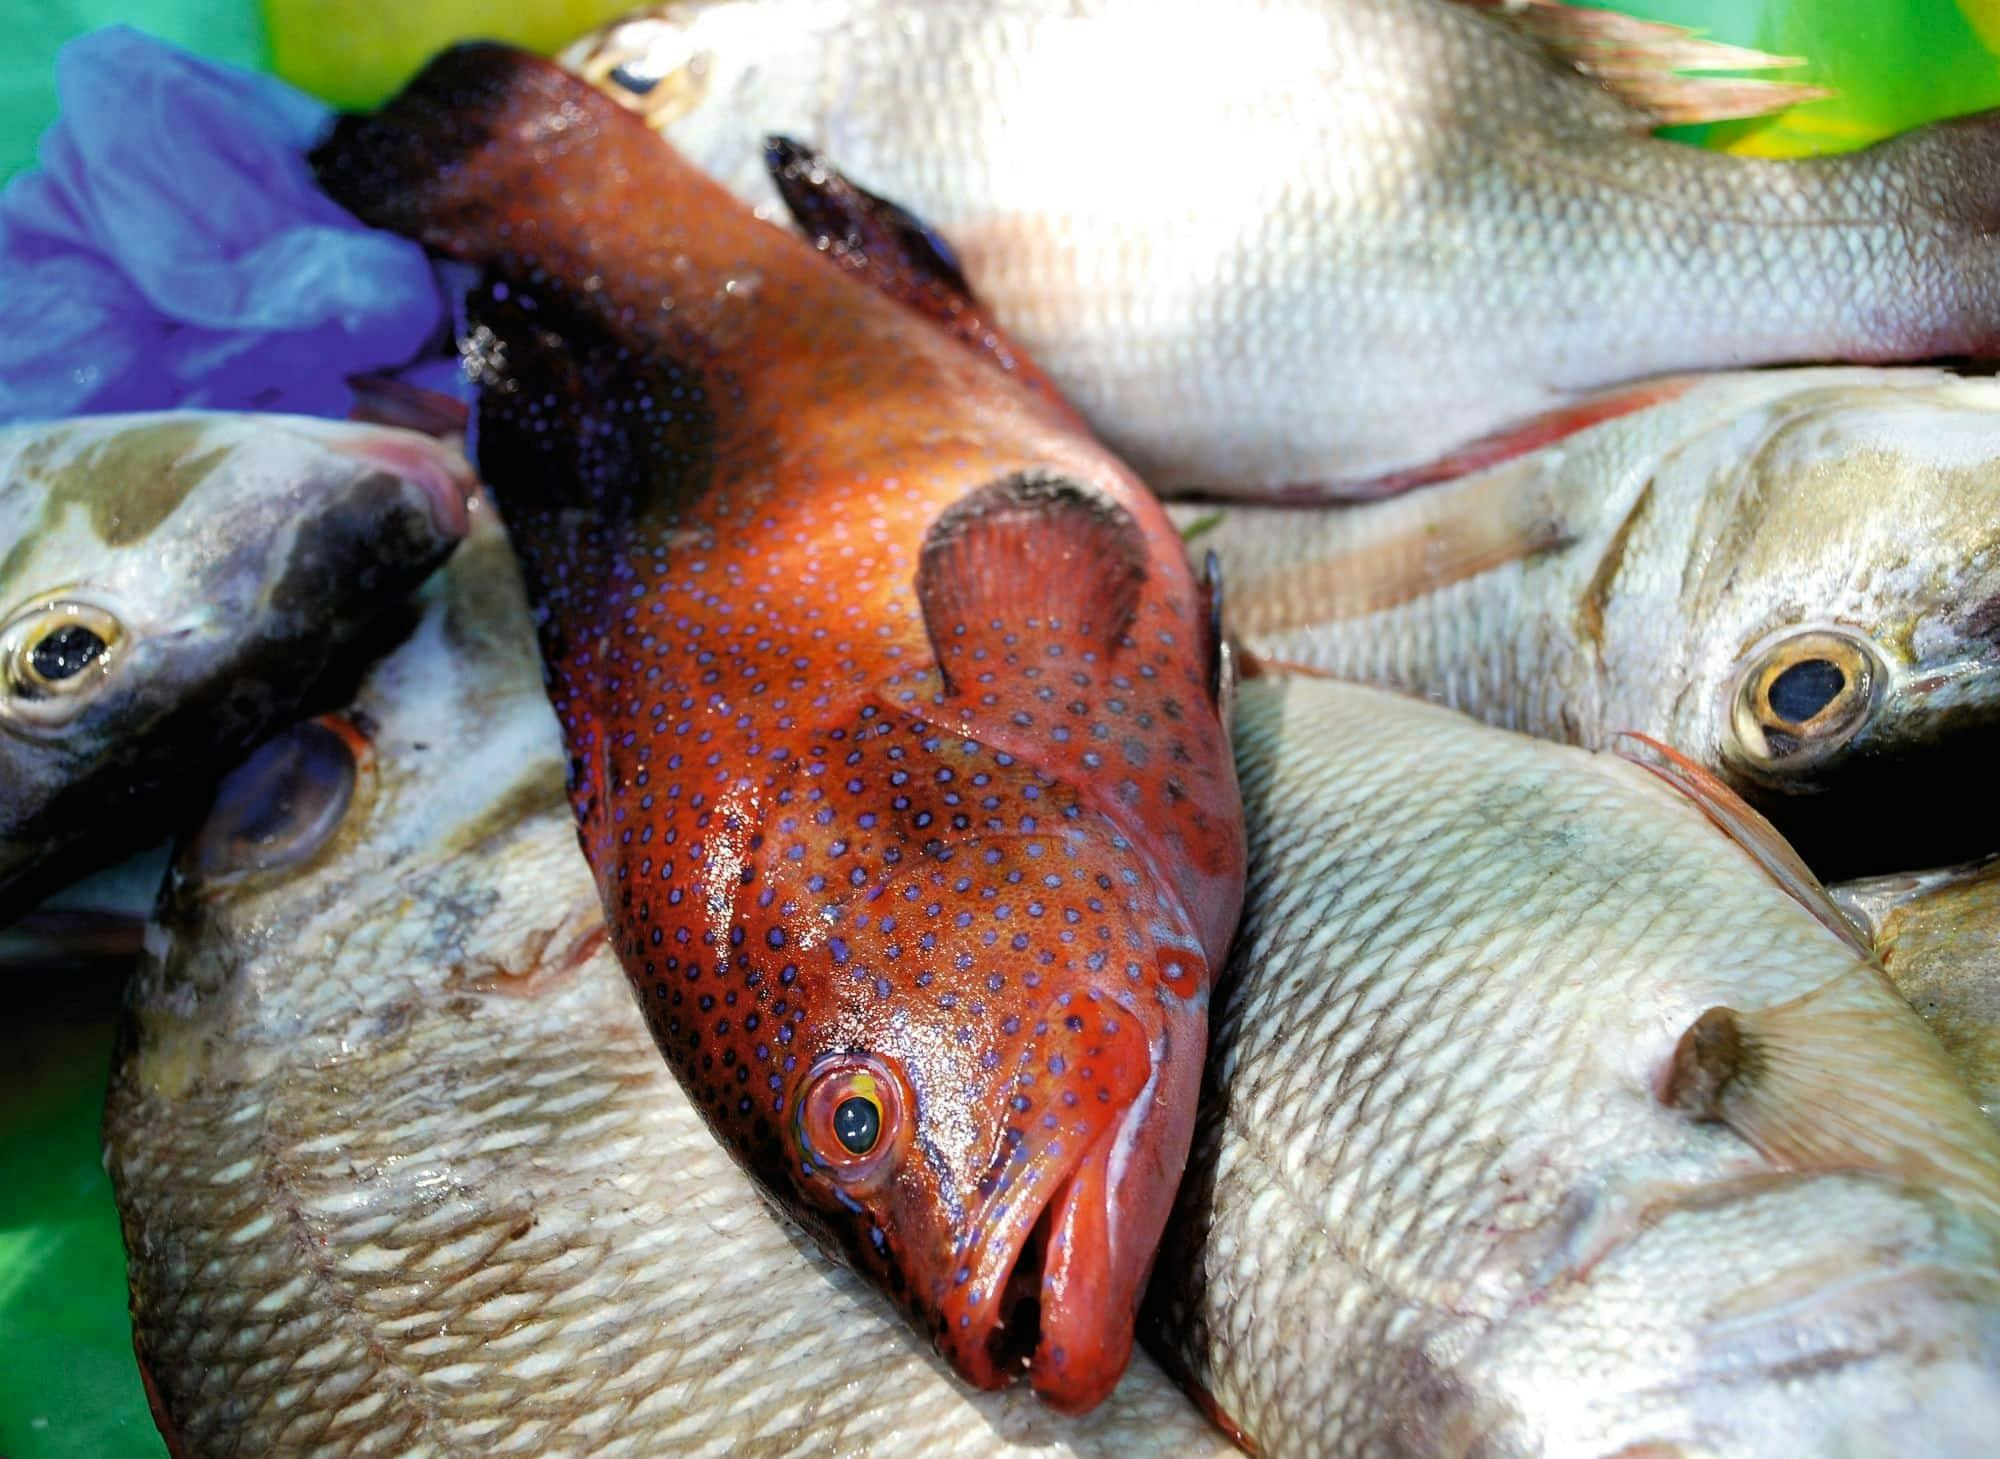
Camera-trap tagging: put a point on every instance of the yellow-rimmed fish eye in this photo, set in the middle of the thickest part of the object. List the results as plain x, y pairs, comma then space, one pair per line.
54, 654
649, 64
851, 1116
1801, 697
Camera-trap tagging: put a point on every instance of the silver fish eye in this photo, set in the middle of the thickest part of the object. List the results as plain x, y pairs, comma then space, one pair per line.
54, 656
649, 64
1801, 698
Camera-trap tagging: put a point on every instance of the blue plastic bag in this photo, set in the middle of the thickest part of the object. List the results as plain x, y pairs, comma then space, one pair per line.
172, 249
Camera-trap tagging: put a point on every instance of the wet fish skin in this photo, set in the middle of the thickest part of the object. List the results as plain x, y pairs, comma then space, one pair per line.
888, 695
1661, 572
1439, 1203
1325, 244
218, 563
410, 1053
1938, 935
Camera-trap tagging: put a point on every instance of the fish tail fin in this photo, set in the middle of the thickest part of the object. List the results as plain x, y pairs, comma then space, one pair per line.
421, 166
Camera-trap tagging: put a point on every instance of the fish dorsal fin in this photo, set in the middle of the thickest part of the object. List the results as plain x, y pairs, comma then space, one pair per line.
1741, 823
1031, 557
861, 228
1639, 61
894, 250
1831, 1081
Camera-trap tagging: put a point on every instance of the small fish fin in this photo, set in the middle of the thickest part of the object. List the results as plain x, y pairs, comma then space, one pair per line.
52, 938
1217, 646
1199, 526
1531, 434
384, 400
862, 229
1737, 819
1637, 61
1031, 551
889, 247
1260, 666
1826, 1082
1872, 902
1474, 527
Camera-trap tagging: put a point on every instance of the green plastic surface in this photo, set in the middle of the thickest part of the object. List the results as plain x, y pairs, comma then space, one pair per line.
69, 1388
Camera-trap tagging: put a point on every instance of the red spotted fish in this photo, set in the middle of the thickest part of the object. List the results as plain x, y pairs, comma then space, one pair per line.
891, 706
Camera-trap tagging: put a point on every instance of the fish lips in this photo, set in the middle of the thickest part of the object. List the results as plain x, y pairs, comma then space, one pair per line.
1047, 1279
439, 471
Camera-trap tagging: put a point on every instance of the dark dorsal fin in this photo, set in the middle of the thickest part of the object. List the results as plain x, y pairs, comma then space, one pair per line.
1028, 558
590, 450
847, 219
894, 250
572, 421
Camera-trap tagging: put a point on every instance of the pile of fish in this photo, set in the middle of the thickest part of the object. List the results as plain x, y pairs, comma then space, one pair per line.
1025, 991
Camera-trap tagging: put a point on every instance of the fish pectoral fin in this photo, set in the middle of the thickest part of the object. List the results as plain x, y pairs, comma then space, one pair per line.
1216, 650
898, 253
1532, 434
1639, 61
1737, 819
1835, 1081
384, 400
1022, 566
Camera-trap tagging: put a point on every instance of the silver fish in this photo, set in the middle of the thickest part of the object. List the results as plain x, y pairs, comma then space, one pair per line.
401, 1170
1791, 576
1540, 1121
170, 586
1938, 935
1324, 243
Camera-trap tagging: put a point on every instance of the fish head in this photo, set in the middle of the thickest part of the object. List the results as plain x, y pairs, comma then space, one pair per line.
993, 1139
448, 750
1848, 592
174, 583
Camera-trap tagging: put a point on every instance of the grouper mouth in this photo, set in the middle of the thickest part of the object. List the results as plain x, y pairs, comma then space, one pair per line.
1052, 1294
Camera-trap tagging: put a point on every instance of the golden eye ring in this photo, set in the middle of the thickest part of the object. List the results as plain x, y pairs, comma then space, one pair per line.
1802, 698
851, 1116
55, 655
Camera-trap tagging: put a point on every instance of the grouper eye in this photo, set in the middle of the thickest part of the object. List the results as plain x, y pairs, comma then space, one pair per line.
1801, 697
53, 655
851, 1116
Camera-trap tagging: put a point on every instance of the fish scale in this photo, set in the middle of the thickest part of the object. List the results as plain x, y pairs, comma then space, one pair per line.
777, 528
401, 1170
1636, 575
1325, 245
1438, 1203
